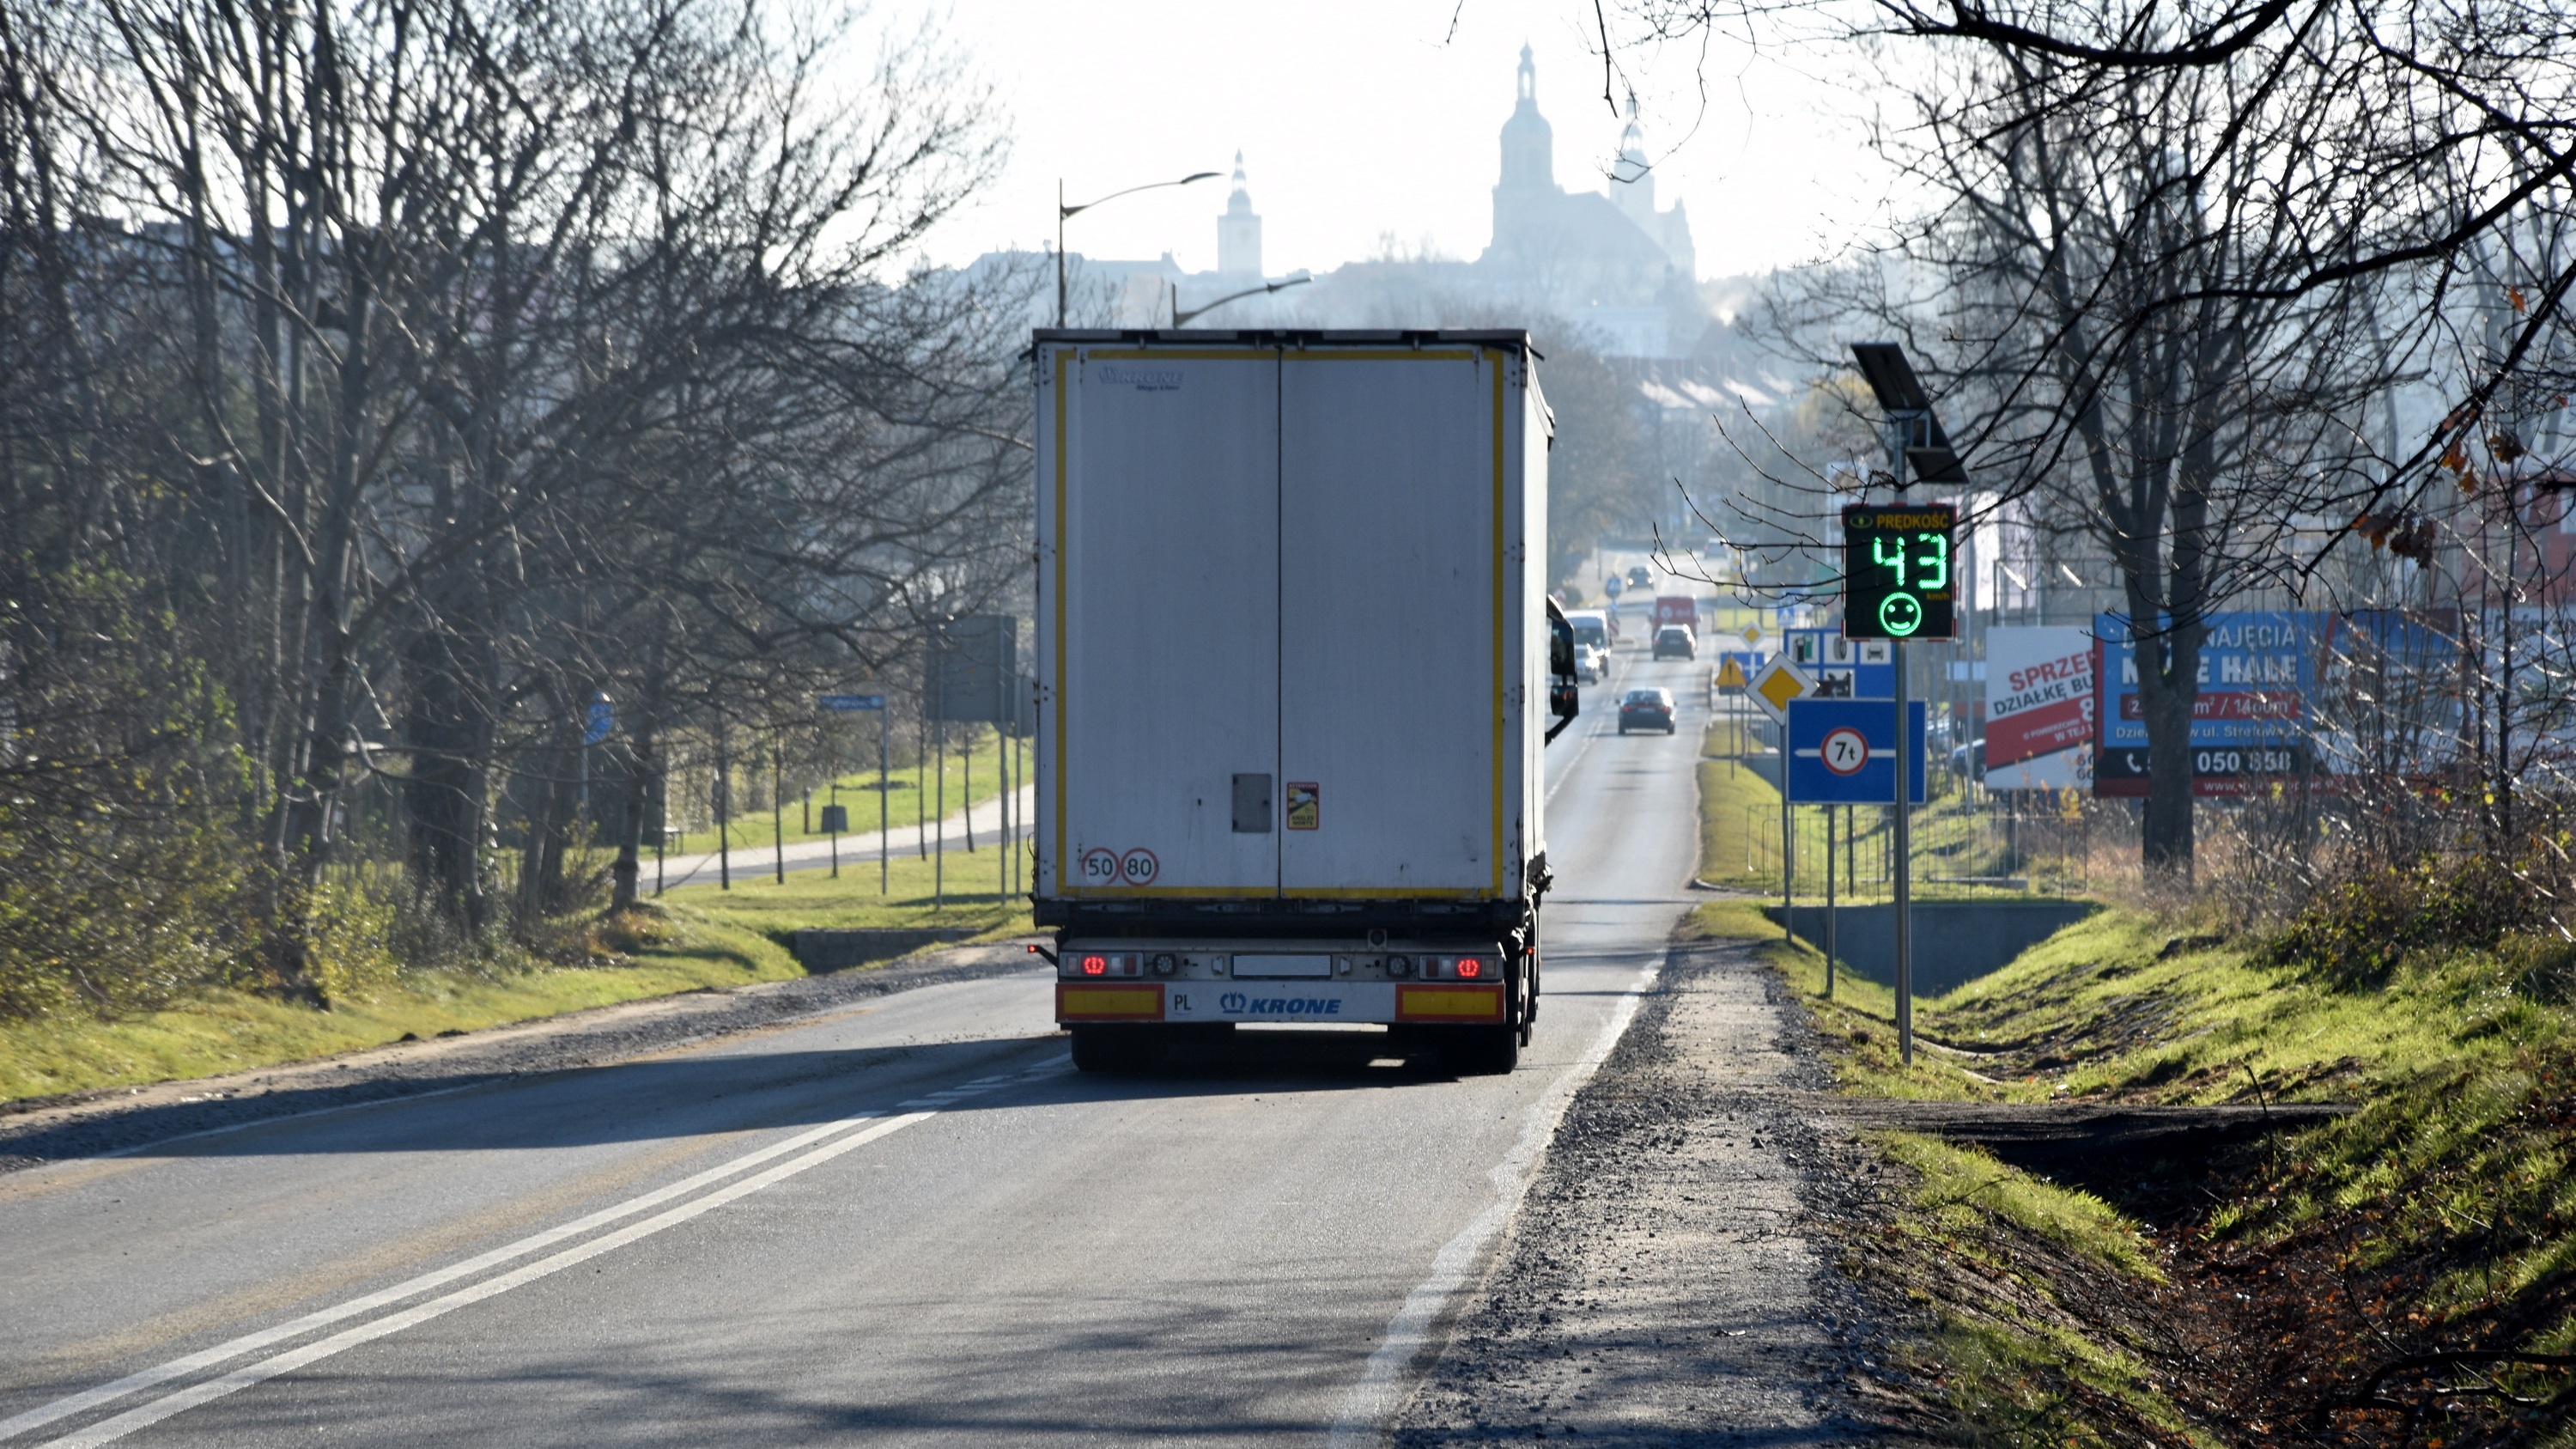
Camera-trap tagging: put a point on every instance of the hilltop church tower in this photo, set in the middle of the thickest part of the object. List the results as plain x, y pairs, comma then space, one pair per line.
1615, 262
1528, 186
1238, 232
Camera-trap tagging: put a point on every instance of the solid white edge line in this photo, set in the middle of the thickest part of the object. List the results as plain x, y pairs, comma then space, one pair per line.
1372, 1401
44, 1414
144, 1415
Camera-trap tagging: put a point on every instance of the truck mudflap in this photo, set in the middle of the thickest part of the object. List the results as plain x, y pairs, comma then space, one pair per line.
1296, 1002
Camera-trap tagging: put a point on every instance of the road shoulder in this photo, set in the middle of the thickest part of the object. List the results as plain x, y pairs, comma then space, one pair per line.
1670, 1278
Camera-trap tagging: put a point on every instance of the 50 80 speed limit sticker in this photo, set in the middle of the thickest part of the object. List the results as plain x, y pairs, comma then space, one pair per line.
1102, 866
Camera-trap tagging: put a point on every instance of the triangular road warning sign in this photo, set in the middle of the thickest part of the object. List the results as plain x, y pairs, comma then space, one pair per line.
1730, 673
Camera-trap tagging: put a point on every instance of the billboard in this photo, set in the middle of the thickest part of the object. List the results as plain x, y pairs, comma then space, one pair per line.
2250, 721
2039, 707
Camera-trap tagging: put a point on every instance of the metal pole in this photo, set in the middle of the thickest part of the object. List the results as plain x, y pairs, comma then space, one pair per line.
724, 813
939, 857
885, 838
1829, 902
661, 820
1059, 252
1904, 865
778, 807
1788, 846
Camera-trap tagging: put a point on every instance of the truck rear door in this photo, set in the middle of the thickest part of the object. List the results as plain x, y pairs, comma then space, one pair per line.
1166, 621
1391, 630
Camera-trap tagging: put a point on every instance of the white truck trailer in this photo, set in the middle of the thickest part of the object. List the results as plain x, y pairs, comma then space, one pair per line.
1294, 672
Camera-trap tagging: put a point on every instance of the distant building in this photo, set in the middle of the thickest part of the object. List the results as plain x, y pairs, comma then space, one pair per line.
1613, 262
1238, 233
1610, 262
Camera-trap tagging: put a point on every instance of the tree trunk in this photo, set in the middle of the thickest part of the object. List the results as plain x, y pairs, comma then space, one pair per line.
633, 796
2168, 687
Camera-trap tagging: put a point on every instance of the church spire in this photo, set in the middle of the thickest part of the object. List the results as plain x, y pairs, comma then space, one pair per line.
1632, 178
1529, 143
1238, 231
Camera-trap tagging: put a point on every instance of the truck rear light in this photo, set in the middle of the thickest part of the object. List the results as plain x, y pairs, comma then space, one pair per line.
1470, 968
1456, 968
1165, 963
1095, 965
1399, 965
1107, 963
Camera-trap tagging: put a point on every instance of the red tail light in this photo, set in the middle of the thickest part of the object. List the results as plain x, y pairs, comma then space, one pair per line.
1469, 969
1095, 965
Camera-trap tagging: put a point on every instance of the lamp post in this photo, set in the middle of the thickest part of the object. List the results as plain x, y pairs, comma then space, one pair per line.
1064, 213
1179, 316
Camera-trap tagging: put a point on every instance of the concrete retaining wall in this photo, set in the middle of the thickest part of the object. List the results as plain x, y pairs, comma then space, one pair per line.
839, 950
1955, 942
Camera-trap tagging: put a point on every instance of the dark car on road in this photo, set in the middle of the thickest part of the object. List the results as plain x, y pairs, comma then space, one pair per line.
1675, 641
1638, 578
1646, 709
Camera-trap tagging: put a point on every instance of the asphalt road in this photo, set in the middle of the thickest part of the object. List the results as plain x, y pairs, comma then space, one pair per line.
907, 1222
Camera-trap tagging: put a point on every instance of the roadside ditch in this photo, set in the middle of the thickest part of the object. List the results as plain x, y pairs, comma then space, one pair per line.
2144, 1186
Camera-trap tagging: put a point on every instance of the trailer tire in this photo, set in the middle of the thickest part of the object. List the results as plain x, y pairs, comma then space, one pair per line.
1113, 1049
1483, 1051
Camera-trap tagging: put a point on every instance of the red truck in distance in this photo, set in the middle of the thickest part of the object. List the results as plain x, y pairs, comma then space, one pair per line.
1677, 609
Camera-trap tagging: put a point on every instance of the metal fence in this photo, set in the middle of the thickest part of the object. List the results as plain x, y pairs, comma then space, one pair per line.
2016, 843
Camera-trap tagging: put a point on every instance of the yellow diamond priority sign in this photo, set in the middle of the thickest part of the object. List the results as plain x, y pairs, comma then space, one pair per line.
1780, 682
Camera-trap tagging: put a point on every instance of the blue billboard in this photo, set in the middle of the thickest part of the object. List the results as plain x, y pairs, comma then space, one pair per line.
2251, 720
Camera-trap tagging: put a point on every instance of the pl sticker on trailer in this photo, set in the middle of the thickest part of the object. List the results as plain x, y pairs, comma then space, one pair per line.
1305, 805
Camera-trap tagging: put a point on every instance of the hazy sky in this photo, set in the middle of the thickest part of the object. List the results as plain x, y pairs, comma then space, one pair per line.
1364, 117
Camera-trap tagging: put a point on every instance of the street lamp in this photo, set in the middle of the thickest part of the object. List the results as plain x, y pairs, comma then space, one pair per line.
1062, 212
1179, 317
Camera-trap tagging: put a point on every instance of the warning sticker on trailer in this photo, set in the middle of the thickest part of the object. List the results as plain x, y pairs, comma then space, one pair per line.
1305, 805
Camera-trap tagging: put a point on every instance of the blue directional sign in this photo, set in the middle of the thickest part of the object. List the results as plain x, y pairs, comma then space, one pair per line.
1843, 668
850, 701
598, 721
1843, 751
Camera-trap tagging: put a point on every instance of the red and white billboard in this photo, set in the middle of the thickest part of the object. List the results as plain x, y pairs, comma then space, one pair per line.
2039, 707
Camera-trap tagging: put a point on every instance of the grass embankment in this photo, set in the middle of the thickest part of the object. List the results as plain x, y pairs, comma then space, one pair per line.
694, 938
220, 1031
2248, 1295
963, 896
913, 794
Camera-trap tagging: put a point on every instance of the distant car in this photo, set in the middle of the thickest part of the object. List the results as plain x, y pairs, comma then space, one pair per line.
1639, 578
1588, 663
1674, 641
1646, 709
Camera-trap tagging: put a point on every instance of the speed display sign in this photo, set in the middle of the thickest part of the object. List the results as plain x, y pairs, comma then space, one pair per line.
1897, 579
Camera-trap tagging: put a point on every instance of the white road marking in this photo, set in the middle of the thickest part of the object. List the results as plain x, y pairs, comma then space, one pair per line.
109, 1430
1372, 1401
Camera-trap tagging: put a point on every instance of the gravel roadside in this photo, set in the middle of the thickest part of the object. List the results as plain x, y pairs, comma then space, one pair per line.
1669, 1278
90, 1124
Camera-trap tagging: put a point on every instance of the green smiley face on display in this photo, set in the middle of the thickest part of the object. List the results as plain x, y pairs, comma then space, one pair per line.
1900, 615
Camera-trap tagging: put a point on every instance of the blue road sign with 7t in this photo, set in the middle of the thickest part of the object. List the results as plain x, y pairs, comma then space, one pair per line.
1843, 751
851, 701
